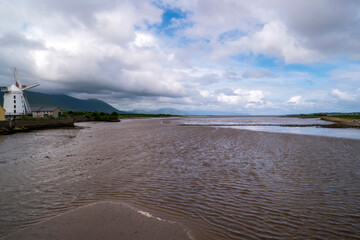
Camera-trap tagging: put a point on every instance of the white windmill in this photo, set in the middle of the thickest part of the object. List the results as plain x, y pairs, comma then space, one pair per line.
15, 102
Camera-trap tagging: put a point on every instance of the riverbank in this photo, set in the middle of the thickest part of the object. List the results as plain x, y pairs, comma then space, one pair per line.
106, 221
343, 122
25, 125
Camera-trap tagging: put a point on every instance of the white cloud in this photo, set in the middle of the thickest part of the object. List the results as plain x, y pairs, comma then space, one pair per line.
252, 96
306, 105
295, 100
145, 40
246, 98
297, 31
343, 96
229, 99
116, 25
205, 93
274, 39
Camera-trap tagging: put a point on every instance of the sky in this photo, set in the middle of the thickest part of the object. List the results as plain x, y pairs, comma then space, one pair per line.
205, 56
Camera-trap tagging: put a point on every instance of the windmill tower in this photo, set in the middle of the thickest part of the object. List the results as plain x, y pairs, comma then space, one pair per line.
15, 102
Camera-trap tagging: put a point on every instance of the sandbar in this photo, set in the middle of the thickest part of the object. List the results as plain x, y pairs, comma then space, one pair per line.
103, 220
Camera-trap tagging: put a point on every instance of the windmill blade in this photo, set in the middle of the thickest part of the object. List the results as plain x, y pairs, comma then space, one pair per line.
31, 86
26, 105
17, 80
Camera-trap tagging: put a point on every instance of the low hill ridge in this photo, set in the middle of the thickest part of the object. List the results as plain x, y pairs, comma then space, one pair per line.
67, 103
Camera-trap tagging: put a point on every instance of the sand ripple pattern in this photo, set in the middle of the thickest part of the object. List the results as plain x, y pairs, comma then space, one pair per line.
220, 183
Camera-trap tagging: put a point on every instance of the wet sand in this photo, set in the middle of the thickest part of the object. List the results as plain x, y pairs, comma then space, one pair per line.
217, 183
106, 221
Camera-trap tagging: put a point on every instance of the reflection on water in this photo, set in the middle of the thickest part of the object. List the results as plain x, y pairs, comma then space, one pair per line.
351, 133
253, 120
273, 124
221, 183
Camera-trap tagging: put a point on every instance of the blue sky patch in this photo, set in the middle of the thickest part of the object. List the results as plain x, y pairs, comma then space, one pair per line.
317, 69
274, 65
172, 21
260, 60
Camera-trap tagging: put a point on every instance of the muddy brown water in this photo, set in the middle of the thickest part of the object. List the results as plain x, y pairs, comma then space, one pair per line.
218, 183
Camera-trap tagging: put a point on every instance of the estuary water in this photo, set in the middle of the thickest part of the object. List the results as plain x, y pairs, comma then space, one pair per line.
307, 126
217, 182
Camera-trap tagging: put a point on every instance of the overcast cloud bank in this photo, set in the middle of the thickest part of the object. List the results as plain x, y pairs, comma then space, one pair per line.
257, 57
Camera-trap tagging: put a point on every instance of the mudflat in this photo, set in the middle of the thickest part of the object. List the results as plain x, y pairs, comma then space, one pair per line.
106, 221
216, 183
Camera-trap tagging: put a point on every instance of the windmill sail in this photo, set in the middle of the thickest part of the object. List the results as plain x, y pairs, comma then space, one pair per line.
17, 80
28, 87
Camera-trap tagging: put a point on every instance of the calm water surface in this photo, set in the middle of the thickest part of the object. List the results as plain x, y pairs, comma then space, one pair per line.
277, 124
221, 183
253, 120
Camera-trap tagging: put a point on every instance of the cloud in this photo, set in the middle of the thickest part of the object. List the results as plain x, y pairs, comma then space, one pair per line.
350, 75
297, 31
343, 96
258, 73
275, 40
324, 25
199, 54
295, 100
232, 75
111, 54
15, 39
117, 25
249, 99
307, 105
205, 93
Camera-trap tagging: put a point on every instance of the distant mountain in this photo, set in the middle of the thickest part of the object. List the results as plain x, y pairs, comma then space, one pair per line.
170, 111
66, 102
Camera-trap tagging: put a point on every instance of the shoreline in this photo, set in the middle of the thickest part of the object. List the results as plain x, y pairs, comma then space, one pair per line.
342, 123
26, 125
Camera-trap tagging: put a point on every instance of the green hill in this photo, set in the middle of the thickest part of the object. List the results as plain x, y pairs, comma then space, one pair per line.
66, 102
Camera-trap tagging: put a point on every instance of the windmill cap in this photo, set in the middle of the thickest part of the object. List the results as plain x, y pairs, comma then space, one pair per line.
13, 88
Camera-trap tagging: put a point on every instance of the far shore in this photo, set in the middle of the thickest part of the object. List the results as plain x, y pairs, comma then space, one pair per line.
343, 122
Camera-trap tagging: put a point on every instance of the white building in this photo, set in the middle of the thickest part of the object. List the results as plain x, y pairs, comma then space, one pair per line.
15, 102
